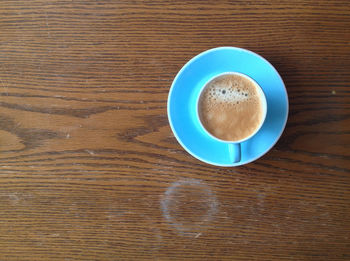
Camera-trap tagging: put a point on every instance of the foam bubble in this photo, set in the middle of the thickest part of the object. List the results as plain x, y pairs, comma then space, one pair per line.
224, 94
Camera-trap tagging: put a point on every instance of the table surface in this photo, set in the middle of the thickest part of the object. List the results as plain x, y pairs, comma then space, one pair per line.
90, 170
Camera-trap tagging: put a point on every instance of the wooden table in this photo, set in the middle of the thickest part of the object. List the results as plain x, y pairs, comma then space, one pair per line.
90, 170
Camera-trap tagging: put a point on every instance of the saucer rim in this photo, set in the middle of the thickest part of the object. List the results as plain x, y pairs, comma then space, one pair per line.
170, 95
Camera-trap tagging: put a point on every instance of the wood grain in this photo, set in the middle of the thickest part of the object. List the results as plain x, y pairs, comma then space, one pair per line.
89, 168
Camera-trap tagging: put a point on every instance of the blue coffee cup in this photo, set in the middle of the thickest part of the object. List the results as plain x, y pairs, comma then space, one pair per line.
183, 98
234, 146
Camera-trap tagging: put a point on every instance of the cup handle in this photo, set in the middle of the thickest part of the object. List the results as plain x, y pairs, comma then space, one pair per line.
235, 152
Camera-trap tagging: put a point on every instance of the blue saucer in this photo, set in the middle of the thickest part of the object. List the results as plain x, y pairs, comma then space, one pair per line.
190, 80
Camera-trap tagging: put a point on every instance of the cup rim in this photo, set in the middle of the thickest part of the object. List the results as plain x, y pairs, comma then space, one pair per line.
263, 97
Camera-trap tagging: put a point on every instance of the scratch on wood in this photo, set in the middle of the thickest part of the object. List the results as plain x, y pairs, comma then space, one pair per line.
47, 25
4, 87
91, 152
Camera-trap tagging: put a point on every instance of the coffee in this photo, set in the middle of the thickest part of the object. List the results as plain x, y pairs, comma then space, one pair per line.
231, 107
